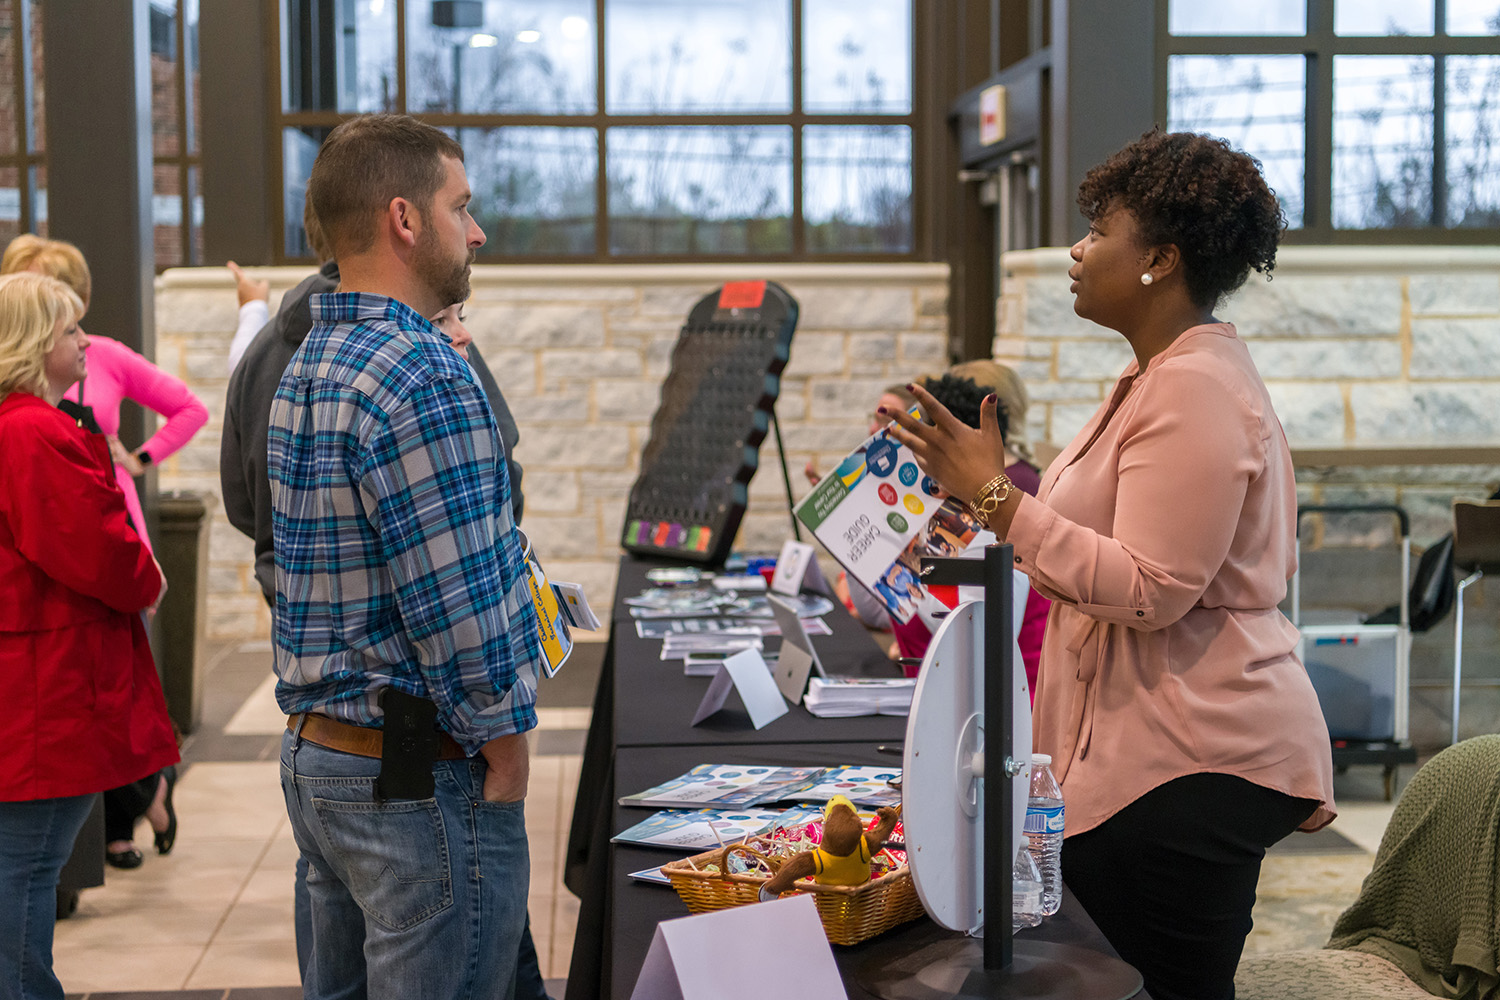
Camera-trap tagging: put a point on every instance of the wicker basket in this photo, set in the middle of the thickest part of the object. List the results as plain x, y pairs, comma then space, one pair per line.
850, 914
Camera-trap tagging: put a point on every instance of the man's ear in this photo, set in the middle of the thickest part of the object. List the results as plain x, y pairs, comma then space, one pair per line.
404, 221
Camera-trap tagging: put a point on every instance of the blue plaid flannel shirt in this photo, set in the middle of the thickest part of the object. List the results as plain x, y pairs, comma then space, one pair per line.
397, 559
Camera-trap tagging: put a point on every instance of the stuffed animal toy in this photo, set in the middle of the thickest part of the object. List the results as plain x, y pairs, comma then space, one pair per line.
844, 857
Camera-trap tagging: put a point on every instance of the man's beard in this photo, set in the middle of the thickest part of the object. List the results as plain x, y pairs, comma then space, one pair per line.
448, 279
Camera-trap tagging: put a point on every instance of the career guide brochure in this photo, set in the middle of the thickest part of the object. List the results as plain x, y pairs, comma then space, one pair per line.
559, 607
878, 515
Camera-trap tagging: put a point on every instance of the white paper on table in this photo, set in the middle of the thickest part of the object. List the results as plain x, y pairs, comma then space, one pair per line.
791, 566
747, 673
686, 958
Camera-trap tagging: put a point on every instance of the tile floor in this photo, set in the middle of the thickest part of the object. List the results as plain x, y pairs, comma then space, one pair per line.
214, 917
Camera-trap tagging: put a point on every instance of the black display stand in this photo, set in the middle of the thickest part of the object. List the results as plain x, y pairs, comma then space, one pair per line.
999, 965
717, 406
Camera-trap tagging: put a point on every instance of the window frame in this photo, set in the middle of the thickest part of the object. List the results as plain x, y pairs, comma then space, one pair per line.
189, 155
30, 154
924, 130
1319, 46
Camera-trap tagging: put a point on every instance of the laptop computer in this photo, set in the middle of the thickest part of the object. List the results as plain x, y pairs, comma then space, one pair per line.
798, 659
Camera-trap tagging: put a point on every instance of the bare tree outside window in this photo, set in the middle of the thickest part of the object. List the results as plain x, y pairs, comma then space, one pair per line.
1409, 114
689, 143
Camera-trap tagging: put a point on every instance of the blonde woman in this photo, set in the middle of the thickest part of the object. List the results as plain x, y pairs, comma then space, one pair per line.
117, 373
84, 708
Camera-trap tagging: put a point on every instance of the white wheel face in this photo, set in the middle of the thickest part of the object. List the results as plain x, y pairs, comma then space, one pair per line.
944, 767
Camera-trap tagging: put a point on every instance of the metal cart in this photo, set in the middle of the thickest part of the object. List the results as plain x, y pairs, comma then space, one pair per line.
1359, 670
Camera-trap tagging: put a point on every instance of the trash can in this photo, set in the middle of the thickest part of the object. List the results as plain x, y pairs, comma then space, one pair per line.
182, 550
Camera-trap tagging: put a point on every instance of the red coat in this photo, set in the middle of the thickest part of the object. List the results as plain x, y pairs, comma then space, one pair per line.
81, 708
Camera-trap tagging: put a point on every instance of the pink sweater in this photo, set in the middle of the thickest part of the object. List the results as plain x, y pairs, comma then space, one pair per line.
115, 373
1165, 535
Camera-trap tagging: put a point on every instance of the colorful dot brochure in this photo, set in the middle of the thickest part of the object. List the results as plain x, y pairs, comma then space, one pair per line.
723, 785
699, 829
780, 833
864, 786
719, 786
878, 515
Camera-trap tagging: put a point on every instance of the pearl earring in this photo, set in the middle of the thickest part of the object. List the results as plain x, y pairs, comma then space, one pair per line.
1146, 278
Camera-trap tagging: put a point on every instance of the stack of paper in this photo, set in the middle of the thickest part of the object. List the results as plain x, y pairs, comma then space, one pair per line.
841, 697
679, 646
707, 664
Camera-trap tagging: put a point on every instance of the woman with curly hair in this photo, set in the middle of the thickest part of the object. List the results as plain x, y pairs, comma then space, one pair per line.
1184, 730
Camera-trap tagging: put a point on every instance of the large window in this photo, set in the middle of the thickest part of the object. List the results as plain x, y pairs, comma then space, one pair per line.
1374, 119
629, 129
177, 208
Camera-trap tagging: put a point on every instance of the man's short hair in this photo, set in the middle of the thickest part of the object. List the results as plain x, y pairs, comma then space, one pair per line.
314, 230
366, 162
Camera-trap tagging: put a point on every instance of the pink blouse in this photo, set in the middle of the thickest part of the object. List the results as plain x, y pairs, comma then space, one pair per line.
115, 373
1165, 535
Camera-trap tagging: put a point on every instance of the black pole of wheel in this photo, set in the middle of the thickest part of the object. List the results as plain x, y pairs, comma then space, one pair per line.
999, 964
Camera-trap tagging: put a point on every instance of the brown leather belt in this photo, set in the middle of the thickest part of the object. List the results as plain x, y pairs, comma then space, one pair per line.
358, 740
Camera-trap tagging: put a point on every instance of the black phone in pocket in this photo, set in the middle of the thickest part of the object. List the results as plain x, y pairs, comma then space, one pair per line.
410, 746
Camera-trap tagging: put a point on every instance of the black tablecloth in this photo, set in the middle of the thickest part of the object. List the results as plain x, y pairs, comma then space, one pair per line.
641, 735
654, 703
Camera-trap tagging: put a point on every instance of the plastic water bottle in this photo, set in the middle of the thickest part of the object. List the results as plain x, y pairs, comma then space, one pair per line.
1026, 904
1044, 830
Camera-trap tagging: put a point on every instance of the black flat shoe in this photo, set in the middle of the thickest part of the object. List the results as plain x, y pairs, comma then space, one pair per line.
124, 859
168, 837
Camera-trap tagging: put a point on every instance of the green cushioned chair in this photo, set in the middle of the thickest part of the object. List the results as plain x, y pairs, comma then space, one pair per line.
1427, 920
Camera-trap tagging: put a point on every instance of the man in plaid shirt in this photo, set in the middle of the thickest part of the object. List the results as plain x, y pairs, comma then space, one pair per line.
398, 566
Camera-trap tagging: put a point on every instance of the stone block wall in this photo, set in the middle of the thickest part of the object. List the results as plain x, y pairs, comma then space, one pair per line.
580, 353
1358, 345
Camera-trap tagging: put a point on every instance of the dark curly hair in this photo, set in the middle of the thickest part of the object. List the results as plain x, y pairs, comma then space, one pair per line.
963, 397
1198, 193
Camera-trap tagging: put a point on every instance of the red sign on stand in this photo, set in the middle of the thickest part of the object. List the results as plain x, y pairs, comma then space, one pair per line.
742, 295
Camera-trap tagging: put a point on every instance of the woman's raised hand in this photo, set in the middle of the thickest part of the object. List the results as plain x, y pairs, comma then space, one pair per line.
960, 458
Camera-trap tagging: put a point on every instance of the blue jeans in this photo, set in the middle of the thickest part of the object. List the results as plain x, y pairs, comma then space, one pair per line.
409, 897
35, 840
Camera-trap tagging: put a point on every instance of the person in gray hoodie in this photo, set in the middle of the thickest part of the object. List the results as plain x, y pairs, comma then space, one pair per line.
243, 481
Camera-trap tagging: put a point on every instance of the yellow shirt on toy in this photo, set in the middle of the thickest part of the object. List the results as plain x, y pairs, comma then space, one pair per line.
853, 869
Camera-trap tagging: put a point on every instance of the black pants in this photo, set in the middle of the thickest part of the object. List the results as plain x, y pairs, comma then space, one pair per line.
126, 804
1170, 879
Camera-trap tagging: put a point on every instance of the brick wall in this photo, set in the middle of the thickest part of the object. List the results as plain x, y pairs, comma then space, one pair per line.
580, 353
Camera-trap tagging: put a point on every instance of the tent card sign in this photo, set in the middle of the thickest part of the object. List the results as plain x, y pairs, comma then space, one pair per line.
747, 673
791, 567
687, 958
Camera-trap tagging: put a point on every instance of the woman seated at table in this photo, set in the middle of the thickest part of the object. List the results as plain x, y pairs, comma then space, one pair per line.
1184, 730
83, 706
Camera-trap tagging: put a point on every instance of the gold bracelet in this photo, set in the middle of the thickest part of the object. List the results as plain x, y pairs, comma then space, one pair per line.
990, 496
